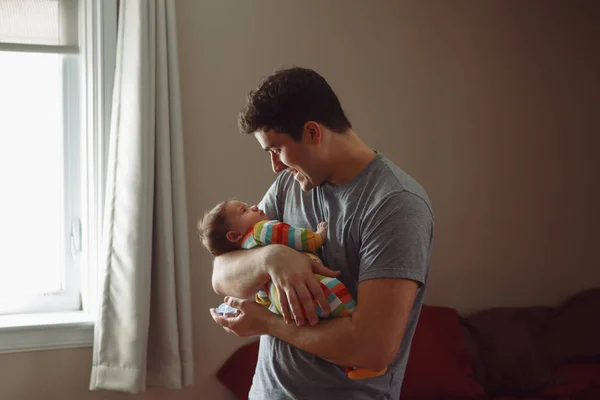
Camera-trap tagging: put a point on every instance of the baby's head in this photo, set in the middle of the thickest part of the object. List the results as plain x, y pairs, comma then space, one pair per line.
223, 228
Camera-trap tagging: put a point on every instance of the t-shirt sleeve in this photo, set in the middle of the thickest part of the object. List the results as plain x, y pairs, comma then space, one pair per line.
271, 203
396, 239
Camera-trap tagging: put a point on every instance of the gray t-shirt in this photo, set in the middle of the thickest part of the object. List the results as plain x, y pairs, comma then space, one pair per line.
380, 226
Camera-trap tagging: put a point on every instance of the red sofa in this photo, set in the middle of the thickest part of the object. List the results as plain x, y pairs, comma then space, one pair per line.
502, 354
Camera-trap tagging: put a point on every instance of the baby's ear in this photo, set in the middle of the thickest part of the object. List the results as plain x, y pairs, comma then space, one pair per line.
234, 237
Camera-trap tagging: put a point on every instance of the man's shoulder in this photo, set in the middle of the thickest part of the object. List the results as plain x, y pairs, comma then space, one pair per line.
387, 181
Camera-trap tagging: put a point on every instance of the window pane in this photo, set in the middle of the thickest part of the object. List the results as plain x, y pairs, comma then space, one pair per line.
31, 174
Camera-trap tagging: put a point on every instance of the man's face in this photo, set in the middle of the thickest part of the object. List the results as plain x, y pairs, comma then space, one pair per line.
297, 157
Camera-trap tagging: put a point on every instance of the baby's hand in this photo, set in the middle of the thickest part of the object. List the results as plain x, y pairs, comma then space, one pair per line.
322, 230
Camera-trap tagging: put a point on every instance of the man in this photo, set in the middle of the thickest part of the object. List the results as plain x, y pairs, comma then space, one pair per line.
380, 238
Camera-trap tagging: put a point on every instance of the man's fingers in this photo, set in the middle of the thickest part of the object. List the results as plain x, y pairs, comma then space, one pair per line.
230, 331
307, 302
320, 269
283, 301
220, 319
233, 302
295, 306
317, 292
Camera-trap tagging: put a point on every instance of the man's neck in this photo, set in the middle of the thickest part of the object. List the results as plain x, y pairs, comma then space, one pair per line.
350, 157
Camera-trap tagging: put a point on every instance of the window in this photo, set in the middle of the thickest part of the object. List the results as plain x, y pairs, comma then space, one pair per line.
56, 68
40, 178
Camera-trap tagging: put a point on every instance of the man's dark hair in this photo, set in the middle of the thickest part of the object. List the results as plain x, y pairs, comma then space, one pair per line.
285, 100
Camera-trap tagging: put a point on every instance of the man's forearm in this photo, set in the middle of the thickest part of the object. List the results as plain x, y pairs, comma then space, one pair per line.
337, 340
370, 338
240, 273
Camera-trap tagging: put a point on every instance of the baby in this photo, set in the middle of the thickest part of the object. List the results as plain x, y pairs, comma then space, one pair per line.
232, 225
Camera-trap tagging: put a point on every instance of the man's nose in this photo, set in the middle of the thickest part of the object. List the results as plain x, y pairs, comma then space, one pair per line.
277, 165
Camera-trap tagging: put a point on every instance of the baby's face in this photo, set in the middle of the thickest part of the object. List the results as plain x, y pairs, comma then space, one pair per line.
241, 218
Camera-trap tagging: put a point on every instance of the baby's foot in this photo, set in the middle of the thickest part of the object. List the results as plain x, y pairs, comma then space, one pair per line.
322, 230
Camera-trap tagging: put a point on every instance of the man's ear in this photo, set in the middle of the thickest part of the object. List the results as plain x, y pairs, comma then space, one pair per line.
233, 237
313, 131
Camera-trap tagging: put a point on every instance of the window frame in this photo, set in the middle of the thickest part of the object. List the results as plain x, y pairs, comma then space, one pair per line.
65, 297
74, 327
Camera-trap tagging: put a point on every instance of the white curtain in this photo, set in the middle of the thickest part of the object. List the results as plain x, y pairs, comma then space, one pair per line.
143, 335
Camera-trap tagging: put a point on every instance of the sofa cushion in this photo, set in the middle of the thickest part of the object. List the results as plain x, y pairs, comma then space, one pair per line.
439, 363
575, 380
516, 349
238, 371
573, 330
507, 355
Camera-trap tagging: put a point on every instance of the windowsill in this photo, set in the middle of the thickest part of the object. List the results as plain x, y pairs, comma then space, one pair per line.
31, 332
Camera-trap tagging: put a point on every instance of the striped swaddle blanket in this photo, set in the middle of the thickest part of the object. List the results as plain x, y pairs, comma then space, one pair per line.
306, 241
271, 232
341, 302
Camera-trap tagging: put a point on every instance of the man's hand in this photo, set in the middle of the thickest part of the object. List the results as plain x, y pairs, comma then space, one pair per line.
292, 273
250, 320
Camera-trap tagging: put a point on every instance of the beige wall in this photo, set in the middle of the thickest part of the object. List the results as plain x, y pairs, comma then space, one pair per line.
490, 105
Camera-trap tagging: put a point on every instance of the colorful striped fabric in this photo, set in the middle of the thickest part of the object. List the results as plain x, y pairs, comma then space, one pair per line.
269, 232
341, 302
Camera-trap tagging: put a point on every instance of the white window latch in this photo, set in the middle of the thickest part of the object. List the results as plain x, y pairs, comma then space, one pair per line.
76, 236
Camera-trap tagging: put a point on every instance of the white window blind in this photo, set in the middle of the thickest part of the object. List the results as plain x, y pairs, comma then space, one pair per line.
39, 26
